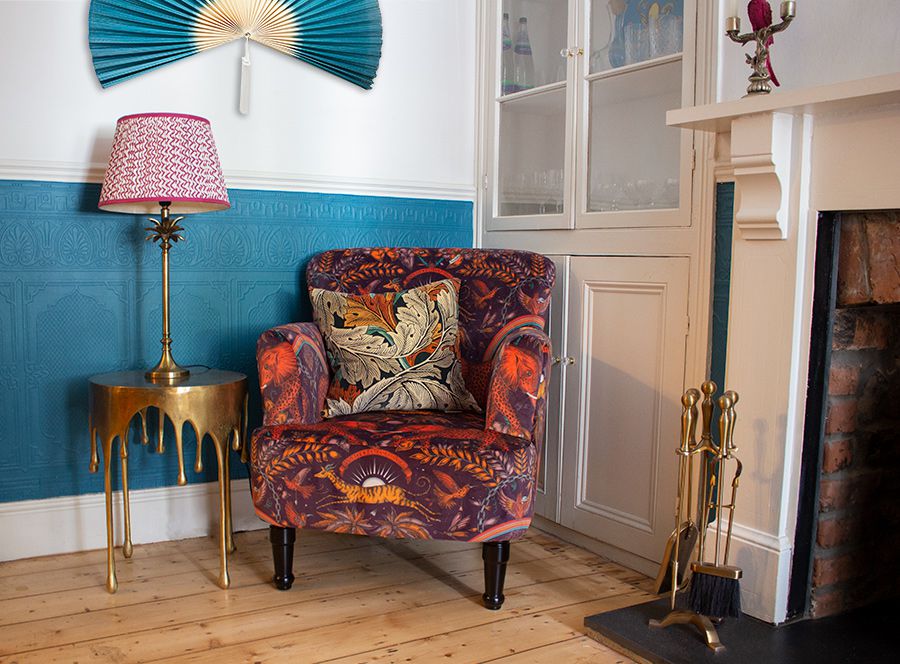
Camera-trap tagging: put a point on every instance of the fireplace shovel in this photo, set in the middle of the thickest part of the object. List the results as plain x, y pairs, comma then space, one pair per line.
681, 543
686, 536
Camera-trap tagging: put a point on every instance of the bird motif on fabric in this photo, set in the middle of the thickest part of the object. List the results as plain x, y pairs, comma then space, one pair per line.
454, 491
760, 13
482, 294
299, 484
518, 506
536, 303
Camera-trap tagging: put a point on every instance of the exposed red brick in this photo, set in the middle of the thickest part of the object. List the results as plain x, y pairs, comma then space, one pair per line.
841, 416
871, 332
844, 329
833, 532
834, 494
838, 454
828, 571
883, 240
827, 603
853, 269
843, 380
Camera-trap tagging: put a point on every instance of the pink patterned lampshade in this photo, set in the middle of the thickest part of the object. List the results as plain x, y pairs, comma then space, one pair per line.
158, 157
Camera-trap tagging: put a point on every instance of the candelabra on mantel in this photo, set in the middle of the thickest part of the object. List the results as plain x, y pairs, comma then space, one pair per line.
760, 13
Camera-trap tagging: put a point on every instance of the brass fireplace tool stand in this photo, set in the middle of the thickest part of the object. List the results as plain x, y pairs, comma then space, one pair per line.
715, 591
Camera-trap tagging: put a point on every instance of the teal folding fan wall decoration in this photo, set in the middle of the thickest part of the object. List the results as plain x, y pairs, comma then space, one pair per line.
130, 37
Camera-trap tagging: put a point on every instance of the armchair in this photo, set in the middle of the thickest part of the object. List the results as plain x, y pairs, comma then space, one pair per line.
433, 475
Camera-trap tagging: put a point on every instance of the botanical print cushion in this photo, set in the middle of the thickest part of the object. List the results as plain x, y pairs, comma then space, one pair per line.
393, 351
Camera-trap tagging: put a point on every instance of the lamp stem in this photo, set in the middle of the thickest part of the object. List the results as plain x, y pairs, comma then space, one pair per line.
165, 231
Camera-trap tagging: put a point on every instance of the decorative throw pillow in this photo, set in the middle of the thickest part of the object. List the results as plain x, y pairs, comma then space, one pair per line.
393, 351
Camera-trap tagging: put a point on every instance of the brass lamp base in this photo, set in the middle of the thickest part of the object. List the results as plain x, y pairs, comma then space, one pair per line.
166, 370
165, 231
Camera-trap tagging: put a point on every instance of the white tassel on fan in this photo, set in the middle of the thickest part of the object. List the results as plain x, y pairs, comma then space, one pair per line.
244, 105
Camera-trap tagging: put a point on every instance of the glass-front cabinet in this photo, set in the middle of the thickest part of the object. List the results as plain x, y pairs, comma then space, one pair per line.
576, 134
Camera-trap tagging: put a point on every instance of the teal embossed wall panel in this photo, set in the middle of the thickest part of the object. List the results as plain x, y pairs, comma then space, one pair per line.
80, 294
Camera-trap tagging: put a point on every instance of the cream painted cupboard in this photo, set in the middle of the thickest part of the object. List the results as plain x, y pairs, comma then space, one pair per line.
577, 163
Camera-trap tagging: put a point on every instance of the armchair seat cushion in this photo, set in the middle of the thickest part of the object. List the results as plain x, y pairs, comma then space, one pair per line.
420, 474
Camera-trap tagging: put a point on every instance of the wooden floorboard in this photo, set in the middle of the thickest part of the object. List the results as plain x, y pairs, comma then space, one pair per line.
354, 600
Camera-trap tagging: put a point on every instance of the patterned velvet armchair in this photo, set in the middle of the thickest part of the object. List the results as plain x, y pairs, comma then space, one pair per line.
467, 476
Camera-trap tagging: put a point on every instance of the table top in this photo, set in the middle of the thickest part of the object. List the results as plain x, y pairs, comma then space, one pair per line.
200, 377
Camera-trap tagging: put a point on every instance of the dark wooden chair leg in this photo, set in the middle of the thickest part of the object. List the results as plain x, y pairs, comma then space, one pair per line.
282, 540
495, 556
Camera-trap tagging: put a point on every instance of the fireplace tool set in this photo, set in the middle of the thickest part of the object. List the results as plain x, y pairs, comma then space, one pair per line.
714, 584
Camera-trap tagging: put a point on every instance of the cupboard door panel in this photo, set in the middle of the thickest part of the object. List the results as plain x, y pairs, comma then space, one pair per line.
626, 330
547, 500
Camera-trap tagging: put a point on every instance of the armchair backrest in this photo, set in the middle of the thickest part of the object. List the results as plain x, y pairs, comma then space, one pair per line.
501, 290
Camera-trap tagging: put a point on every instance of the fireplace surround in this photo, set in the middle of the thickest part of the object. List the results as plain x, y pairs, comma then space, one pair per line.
792, 155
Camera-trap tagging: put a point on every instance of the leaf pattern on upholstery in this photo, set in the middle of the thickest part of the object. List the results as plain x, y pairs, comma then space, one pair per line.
501, 290
393, 351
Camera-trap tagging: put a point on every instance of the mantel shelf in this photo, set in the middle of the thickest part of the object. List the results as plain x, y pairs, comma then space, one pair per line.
843, 97
762, 135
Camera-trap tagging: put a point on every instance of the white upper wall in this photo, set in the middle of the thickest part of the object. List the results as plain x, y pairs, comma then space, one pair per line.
414, 131
830, 41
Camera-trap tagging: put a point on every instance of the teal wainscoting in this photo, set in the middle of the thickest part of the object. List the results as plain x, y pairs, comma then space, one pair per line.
80, 294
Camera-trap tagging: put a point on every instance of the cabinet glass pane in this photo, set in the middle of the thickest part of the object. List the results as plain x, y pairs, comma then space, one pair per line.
532, 154
530, 48
625, 32
633, 156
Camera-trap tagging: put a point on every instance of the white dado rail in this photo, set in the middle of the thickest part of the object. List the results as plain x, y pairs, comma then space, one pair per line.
792, 154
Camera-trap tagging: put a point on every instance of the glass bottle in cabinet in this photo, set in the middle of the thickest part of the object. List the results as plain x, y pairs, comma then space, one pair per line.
507, 64
522, 58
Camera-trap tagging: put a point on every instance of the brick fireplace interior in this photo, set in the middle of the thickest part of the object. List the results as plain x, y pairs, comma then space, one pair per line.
849, 507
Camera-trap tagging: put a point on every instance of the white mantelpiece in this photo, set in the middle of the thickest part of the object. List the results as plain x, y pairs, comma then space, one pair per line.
761, 130
792, 154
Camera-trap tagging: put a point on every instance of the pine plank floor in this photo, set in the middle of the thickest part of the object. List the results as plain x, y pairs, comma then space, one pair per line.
355, 600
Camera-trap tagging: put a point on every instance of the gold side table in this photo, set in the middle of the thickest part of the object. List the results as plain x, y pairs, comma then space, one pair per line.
214, 402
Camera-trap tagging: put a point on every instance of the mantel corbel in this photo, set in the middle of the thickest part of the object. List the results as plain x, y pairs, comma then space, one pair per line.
761, 160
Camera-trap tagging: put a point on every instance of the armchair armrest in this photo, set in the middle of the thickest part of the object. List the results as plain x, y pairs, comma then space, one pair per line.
293, 374
518, 385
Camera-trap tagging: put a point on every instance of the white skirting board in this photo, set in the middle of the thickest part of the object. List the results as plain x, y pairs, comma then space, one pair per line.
78, 523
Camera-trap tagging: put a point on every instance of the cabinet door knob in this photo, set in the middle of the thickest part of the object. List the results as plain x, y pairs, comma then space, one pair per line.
570, 52
557, 360
570, 360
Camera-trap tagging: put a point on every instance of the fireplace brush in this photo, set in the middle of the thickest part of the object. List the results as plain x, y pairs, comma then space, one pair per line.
714, 584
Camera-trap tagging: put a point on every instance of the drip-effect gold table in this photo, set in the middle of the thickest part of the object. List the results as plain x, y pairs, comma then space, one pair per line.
214, 402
